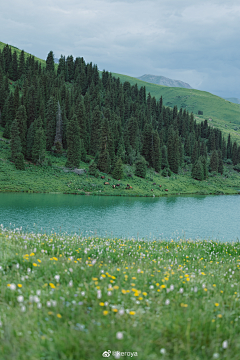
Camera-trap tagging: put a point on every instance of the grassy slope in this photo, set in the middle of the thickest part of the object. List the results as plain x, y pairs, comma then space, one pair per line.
47, 179
174, 300
225, 115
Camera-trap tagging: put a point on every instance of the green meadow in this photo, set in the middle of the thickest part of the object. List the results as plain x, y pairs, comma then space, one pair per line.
76, 298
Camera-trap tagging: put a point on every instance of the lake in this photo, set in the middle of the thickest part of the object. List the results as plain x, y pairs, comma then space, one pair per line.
172, 217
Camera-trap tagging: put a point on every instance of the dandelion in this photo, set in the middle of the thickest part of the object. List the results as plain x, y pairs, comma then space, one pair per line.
52, 285
34, 264
115, 310
57, 278
59, 316
219, 316
131, 312
225, 344
12, 286
216, 304
119, 335
19, 285
101, 303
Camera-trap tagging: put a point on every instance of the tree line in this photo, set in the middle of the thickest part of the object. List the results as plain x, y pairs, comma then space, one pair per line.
75, 110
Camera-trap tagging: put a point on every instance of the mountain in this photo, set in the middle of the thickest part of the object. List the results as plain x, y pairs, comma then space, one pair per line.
233, 100
162, 80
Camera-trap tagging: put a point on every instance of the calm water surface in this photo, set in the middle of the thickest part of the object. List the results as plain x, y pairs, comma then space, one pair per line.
215, 217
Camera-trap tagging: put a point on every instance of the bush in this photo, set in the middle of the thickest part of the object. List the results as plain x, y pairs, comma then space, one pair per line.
237, 167
228, 162
92, 170
200, 112
19, 162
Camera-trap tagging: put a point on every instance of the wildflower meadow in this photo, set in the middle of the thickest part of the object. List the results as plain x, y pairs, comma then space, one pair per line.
72, 297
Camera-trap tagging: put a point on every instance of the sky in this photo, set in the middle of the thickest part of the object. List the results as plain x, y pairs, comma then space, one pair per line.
189, 40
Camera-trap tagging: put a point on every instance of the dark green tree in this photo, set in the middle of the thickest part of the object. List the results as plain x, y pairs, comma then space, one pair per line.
50, 62
21, 118
214, 161
197, 170
19, 162
15, 141
118, 170
141, 168
73, 143
39, 146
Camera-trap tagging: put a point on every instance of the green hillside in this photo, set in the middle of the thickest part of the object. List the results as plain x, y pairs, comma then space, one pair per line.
225, 115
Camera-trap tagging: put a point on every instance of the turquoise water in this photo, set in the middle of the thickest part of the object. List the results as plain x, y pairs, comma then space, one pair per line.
209, 217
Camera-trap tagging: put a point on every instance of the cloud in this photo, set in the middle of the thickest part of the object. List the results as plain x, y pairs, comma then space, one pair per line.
192, 41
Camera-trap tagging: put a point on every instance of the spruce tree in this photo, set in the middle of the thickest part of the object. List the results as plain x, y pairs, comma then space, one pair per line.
234, 153
214, 161
95, 131
73, 143
220, 162
21, 118
141, 168
197, 171
15, 141
19, 162
51, 122
164, 158
39, 146
118, 171
50, 62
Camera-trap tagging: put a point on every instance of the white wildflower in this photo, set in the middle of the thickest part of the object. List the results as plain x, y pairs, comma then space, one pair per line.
171, 287
181, 290
38, 292
225, 344
163, 351
20, 298
70, 283
39, 305
48, 303
151, 287
23, 308
106, 303
138, 271
12, 286
57, 277
99, 294
119, 335
215, 356
83, 293
70, 269
167, 302
109, 293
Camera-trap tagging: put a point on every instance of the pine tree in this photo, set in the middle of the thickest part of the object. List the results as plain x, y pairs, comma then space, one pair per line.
234, 153
156, 158
39, 146
165, 164
118, 170
14, 67
220, 162
203, 160
58, 136
229, 147
50, 62
30, 141
15, 141
197, 171
95, 131
73, 143
21, 68
21, 118
214, 161
141, 167
51, 122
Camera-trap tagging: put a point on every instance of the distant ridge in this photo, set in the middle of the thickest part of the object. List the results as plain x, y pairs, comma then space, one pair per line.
162, 80
233, 100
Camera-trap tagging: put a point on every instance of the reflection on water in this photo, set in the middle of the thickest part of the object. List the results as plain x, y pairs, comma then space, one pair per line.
168, 217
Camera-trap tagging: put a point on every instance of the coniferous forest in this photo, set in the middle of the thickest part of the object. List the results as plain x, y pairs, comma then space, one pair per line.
74, 109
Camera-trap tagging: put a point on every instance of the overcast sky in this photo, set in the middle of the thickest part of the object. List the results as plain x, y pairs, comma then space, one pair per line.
189, 40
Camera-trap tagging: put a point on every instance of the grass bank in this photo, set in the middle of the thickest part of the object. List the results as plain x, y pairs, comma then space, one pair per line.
47, 179
70, 297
